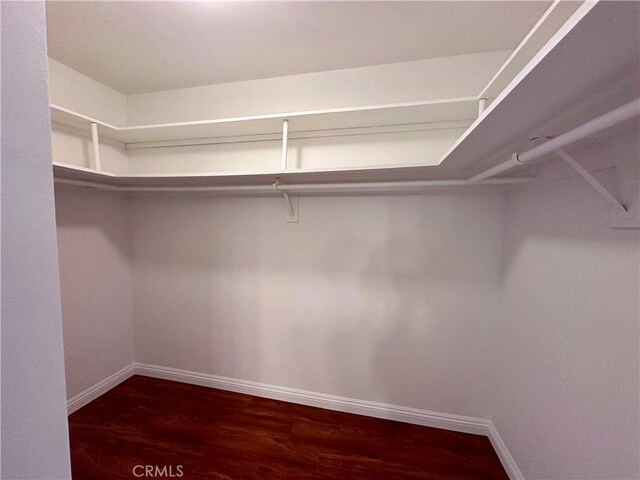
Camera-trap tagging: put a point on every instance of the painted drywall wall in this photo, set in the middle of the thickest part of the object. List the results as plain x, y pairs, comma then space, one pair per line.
73, 90
447, 77
566, 399
35, 442
389, 299
95, 282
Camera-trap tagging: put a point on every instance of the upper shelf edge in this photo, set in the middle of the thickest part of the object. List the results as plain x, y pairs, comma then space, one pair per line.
428, 111
577, 76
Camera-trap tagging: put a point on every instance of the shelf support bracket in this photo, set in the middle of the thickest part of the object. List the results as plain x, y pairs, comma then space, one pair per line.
285, 141
287, 200
291, 203
482, 105
604, 193
96, 146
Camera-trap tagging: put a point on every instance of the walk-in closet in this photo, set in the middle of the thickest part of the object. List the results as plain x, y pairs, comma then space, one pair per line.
321, 240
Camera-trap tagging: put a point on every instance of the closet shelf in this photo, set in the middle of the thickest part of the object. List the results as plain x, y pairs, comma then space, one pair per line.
397, 114
434, 113
562, 87
297, 181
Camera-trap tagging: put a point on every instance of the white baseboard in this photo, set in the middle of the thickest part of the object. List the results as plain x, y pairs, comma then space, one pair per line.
445, 421
503, 453
426, 418
93, 392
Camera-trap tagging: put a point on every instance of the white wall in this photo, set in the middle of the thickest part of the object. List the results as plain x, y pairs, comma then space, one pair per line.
447, 77
95, 280
34, 421
389, 299
73, 90
566, 399
434, 78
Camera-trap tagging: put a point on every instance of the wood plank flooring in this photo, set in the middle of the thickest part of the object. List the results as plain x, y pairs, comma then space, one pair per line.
213, 434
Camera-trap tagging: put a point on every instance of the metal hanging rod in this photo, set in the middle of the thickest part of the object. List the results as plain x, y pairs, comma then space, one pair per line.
609, 119
277, 187
391, 186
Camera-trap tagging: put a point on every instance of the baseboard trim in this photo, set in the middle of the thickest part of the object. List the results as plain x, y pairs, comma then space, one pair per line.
445, 421
80, 400
503, 453
426, 418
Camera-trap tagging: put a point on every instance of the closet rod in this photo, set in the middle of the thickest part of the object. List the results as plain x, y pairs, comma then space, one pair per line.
377, 186
609, 119
247, 189
302, 187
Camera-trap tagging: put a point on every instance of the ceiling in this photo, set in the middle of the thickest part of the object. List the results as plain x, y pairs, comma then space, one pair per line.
149, 46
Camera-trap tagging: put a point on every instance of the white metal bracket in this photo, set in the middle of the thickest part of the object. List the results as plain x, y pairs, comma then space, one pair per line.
95, 143
619, 208
285, 142
482, 105
291, 203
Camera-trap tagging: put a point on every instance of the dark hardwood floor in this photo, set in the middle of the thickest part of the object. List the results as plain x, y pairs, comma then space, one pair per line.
213, 434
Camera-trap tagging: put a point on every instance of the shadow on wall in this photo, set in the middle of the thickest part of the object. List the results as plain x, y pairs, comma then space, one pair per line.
389, 299
340, 303
345, 310
431, 301
362, 312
